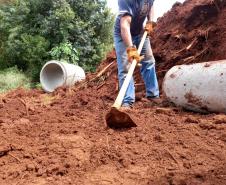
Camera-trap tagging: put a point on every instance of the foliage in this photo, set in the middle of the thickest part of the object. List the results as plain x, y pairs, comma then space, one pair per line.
33, 32
27, 52
12, 78
66, 52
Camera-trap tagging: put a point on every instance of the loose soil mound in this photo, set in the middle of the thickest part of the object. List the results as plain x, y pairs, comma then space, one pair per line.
191, 32
61, 138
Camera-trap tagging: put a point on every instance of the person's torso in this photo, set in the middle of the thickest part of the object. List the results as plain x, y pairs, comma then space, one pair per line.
140, 10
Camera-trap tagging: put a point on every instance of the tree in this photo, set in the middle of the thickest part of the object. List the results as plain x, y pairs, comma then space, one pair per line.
31, 29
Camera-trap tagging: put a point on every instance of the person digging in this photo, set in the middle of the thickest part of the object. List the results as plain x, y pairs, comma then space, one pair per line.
128, 31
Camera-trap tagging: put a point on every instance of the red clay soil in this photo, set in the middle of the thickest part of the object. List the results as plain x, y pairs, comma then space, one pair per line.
62, 138
192, 32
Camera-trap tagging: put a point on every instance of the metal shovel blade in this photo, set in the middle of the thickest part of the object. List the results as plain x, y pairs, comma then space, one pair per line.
117, 119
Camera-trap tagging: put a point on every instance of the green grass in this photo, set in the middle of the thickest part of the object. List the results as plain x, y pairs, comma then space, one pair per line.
12, 78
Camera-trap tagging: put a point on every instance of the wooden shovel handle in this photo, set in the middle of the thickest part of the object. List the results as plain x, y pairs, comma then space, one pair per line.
122, 92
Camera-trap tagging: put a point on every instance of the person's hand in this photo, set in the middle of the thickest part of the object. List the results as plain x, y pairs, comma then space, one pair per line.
132, 54
149, 27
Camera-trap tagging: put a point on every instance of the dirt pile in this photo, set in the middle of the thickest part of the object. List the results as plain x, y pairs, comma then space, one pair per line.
191, 32
61, 138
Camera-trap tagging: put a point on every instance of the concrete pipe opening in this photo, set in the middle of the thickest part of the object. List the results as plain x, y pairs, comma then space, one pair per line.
55, 74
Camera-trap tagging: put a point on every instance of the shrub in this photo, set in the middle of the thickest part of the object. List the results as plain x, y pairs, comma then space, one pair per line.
65, 51
33, 32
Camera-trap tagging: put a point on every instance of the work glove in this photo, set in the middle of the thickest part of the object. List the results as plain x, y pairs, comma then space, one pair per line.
132, 54
149, 27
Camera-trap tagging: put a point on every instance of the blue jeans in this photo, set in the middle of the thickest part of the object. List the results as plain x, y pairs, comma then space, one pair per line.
147, 70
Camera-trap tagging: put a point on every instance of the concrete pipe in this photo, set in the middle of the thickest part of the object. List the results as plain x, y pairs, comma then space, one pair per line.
55, 74
198, 87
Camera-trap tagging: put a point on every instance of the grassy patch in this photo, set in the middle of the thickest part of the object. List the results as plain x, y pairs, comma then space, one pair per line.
13, 78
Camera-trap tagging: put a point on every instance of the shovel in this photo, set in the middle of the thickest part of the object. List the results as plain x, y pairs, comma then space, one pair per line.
119, 119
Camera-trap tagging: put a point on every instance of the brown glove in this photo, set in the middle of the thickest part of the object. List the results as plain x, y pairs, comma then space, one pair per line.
149, 27
132, 54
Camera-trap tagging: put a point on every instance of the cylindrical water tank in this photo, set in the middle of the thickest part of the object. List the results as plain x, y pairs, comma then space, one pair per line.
55, 74
199, 87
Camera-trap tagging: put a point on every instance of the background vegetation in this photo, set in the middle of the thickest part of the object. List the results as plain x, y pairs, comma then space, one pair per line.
35, 31
12, 78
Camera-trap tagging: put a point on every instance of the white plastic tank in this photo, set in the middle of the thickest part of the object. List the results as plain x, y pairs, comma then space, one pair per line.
55, 74
198, 87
